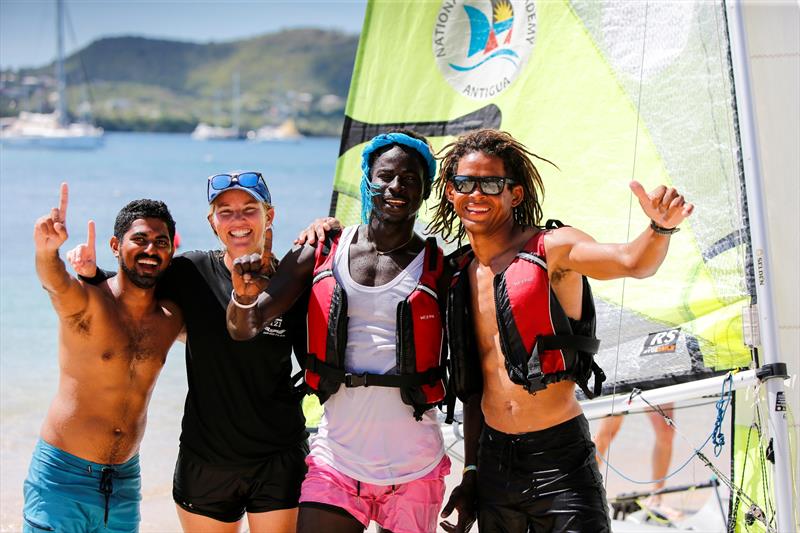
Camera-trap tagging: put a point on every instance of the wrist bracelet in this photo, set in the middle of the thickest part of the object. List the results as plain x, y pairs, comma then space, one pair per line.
242, 306
663, 231
469, 468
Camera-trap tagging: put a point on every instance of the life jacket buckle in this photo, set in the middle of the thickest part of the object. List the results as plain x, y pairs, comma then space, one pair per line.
355, 380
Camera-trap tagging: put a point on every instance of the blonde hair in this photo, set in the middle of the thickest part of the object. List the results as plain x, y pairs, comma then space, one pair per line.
212, 209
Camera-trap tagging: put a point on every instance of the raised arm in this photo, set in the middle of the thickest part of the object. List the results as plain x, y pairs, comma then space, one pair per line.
49, 233
256, 299
569, 249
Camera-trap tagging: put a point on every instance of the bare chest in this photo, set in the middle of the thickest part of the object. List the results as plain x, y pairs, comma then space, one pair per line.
116, 340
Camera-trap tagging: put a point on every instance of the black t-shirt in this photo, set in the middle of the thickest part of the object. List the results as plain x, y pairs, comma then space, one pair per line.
240, 406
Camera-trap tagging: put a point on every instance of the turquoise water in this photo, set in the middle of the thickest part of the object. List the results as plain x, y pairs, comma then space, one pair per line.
171, 168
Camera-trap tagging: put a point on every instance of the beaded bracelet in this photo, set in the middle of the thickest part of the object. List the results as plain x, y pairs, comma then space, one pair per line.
661, 230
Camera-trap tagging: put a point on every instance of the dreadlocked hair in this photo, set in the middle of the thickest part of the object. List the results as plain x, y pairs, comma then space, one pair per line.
518, 166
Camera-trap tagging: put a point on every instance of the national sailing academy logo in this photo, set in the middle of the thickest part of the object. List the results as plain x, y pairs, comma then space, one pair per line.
481, 45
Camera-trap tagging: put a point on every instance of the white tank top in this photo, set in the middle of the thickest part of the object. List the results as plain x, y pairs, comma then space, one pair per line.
368, 433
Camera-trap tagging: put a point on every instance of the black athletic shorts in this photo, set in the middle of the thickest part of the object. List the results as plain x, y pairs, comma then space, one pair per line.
225, 492
541, 481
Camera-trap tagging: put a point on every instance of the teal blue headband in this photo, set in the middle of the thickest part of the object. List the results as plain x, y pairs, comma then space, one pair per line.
379, 141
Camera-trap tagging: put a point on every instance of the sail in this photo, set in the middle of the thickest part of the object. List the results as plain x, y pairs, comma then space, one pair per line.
609, 92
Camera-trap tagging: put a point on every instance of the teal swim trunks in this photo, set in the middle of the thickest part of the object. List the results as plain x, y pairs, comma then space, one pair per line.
67, 494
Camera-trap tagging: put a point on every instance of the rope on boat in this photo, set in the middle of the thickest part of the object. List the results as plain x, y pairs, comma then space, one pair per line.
722, 407
755, 512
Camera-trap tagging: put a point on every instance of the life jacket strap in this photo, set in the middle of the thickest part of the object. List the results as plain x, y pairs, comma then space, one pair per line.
576, 346
348, 379
580, 343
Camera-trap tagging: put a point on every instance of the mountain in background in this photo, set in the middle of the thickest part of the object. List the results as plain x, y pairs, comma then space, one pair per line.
138, 83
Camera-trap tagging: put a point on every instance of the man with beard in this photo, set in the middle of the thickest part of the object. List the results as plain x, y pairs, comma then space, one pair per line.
113, 342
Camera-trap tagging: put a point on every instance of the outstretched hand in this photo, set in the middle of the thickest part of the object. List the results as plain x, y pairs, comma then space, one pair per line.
50, 231
83, 258
317, 230
462, 499
663, 204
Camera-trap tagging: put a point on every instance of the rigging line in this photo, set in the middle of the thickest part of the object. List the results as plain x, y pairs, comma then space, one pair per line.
669, 475
762, 454
86, 83
628, 232
722, 477
715, 435
644, 410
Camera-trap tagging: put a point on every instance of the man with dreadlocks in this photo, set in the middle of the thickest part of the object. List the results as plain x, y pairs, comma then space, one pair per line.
375, 349
521, 332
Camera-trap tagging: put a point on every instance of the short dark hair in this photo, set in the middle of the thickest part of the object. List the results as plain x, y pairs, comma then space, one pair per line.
143, 209
426, 178
518, 166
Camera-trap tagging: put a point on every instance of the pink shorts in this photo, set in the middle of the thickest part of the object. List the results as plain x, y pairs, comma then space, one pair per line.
411, 507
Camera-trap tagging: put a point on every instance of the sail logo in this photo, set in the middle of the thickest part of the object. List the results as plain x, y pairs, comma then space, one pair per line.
481, 46
661, 342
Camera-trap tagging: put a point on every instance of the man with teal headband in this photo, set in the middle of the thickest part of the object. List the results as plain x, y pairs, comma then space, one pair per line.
379, 144
375, 340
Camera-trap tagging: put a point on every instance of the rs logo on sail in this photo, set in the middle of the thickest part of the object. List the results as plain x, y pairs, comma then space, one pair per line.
661, 342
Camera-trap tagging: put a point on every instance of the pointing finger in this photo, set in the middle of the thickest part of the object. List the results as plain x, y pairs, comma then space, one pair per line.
62, 203
90, 236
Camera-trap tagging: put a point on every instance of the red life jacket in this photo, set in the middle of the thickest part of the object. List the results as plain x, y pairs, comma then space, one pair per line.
419, 335
540, 343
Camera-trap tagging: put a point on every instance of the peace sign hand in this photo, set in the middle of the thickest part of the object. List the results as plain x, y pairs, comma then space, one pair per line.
83, 258
663, 205
50, 231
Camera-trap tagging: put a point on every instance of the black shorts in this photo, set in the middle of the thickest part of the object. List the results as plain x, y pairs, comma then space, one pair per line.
225, 492
541, 481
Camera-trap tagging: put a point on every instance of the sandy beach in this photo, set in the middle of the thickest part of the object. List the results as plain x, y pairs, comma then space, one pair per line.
630, 453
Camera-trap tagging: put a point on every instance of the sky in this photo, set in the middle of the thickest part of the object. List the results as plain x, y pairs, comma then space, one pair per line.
27, 27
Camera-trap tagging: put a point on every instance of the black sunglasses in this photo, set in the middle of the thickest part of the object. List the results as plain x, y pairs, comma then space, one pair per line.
491, 185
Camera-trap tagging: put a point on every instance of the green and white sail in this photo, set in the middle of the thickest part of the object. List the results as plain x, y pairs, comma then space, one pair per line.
608, 91
607, 97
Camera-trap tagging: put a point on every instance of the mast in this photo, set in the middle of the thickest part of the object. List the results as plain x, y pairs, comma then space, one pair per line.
236, 103
61, 78
770, 353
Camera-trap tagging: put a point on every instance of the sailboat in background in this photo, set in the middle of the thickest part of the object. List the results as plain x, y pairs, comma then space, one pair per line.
208, 132
659, 92
286, 131
52, 130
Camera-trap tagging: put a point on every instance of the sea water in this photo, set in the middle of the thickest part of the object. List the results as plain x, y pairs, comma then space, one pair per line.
172, 168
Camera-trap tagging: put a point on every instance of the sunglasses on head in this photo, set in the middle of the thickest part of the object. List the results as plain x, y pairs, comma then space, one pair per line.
250, 180
490, 185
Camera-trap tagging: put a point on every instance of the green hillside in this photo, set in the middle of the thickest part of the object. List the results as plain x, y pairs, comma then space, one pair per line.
139, 83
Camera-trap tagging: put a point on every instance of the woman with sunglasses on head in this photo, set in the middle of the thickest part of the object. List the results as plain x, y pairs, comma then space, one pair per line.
375, 339
243, 440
